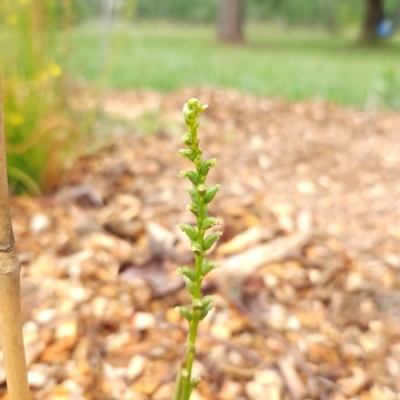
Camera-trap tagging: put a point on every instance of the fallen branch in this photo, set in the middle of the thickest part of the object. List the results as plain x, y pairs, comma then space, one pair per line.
236, 268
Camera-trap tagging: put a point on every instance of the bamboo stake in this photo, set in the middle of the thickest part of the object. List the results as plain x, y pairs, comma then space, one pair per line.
10, 301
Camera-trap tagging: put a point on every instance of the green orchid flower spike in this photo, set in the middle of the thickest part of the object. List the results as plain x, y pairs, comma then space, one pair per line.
200, 196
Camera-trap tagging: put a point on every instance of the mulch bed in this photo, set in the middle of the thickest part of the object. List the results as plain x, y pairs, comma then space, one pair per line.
308, 303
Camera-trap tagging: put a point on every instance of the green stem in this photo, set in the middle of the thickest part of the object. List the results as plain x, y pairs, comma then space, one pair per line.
178, 386
194, 324
184, 383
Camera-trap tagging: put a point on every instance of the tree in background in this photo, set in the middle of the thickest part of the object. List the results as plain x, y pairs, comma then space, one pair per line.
374, 14
230, 21
229, 14
322, 12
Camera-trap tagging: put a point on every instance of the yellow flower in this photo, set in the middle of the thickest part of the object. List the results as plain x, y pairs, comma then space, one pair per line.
15, 119
55, 70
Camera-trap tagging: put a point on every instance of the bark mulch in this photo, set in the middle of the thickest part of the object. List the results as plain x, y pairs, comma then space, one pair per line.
308, 302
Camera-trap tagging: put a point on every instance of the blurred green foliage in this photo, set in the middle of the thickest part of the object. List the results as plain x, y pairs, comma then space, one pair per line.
331, 13
37, 124
83, 10
35, 48
86, 9
178, 10
286, 12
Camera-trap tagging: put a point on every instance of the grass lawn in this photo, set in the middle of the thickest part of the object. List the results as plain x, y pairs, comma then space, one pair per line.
274, 62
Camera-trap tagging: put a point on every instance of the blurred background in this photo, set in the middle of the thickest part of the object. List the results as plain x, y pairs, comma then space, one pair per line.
334, 50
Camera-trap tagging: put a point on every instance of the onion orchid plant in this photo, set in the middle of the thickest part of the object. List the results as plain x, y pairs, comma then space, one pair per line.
201, 196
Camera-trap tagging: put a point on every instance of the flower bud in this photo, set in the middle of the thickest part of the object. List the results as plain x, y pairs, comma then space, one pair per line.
189, 285
192, 176
188, 115
193, 208
188, 272
211, 192
185, 313
197, 304
201, 189
193, 107
210, 239
194, 195
189, 230
191, 110
196, 248
198, 158
207, 266
210, 222
194, 104
187, 153
187, 139
204, 313
207, 165
206, 301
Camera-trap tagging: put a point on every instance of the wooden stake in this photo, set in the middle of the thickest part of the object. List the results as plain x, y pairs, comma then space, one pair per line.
10, 300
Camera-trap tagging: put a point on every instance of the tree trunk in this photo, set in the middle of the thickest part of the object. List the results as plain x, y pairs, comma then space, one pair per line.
230, 21
373, 16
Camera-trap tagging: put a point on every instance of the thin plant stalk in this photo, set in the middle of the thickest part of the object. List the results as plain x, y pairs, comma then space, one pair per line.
201, 196
10, 299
